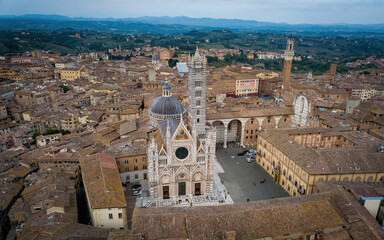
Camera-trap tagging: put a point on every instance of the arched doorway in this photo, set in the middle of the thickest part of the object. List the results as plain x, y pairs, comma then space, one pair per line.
219, 126
234, 132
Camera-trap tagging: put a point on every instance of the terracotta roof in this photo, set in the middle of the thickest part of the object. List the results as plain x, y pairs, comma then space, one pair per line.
102, 181
63, 231
362, 158
360, 222
265, 112
260, 219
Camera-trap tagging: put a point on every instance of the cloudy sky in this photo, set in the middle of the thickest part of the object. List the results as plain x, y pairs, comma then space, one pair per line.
289, 11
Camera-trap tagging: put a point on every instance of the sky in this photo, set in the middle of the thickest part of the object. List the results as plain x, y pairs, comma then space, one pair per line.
287, 11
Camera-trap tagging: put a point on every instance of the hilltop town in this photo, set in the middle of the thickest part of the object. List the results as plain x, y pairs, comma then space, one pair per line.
208, 143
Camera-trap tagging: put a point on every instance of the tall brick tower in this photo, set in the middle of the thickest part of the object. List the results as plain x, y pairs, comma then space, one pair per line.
288, 56
332, 69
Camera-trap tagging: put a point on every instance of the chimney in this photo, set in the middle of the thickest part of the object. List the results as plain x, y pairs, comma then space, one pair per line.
231, 235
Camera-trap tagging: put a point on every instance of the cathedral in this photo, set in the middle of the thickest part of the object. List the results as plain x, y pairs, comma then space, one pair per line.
181, 152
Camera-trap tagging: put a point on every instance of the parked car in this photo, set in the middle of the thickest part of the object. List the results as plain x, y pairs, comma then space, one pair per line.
136, 187
136, 190
254, 151
242, 153
136, 193
250, 159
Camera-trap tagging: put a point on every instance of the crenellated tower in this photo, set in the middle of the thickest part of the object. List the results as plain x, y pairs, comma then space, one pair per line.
288, 57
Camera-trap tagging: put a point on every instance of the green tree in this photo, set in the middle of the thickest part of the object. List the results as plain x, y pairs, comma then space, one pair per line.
65, 88
172, 62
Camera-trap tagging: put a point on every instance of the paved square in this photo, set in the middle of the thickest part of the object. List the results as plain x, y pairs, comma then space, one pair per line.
239, 177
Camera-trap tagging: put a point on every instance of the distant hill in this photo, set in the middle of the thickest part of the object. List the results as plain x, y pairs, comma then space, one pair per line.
173, 25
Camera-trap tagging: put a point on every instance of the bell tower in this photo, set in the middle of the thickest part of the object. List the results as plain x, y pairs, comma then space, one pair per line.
288, 56
197, 91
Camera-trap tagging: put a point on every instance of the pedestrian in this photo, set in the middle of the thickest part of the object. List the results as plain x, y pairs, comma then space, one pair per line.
247, 199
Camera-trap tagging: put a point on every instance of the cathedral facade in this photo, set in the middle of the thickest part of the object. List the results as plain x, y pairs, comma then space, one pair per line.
182, 152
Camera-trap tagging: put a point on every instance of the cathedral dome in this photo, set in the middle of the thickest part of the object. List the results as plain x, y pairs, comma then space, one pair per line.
166, 106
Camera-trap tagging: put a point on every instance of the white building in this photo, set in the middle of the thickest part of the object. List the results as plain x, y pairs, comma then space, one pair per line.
42, 141
246, 87
105, 195
180, 155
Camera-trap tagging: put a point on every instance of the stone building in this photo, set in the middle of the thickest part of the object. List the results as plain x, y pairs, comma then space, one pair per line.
180, 155
333, 213
70, 73
242, 126
297, 158
105, 195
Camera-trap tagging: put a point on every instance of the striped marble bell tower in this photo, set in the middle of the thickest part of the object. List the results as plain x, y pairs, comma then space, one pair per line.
197, 91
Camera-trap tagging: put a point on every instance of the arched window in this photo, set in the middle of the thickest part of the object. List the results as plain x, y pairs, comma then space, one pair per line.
284, 172
292, 166
297, 171
304, 177
358, 179
370, 179
290, 178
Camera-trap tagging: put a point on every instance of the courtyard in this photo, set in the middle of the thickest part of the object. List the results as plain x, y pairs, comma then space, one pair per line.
240, 177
